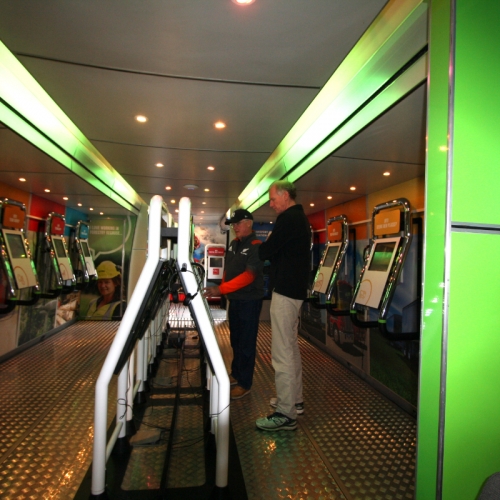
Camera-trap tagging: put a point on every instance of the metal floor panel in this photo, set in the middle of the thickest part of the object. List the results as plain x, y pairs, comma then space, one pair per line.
351, 442
47, 403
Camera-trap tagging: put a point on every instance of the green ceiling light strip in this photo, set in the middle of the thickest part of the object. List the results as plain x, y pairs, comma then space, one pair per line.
29, 111
366, 84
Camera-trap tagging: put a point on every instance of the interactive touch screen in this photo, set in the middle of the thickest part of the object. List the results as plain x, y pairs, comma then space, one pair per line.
16, 246
382, 255
375, 277
59, 247
85, 248
331, 256
325, 272
21, 263
216, 262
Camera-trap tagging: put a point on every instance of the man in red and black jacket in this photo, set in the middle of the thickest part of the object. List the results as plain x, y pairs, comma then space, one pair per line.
243, 285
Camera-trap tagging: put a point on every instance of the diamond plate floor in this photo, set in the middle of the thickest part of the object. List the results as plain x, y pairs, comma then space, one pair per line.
47, 403
351, 442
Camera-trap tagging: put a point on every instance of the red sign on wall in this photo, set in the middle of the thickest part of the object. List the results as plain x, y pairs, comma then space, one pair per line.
13, 217
57, 226
216, 251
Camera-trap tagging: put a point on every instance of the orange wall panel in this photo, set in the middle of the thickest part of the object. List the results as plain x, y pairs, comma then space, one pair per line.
355, 211
16, 194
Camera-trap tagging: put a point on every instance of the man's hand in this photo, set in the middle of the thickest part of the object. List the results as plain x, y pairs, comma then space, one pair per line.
211, 291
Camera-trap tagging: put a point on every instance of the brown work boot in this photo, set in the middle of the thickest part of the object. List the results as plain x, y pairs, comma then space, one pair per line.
232, 380
239, 392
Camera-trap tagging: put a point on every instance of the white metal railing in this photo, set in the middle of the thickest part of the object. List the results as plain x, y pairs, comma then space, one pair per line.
101, 452
219, 379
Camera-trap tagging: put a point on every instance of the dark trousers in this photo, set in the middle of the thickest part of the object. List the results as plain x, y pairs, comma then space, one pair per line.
243, 327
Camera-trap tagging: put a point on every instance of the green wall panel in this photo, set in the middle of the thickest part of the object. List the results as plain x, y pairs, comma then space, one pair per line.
477, 111
435, 206
472, 439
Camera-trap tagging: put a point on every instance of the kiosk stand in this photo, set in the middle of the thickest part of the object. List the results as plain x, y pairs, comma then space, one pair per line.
15, 256
215, 256
331, 261
391, 238
57, 271
85, 270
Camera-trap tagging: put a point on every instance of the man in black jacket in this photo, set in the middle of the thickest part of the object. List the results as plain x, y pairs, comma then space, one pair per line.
288, 248
243, 284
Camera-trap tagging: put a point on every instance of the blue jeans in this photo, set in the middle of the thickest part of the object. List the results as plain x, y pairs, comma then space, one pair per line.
243, 327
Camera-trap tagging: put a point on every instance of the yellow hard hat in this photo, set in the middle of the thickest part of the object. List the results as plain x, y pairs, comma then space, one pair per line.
107, 270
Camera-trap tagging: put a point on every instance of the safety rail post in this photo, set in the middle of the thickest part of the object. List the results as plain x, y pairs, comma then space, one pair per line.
198, 308
101, 450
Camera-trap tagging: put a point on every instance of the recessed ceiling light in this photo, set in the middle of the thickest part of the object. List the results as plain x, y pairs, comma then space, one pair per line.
329, 197
353, 188
219, 125
312, 204
203, 202
65, 198
210, 167
387, 174
191, 187
47, 190
243, 2
159, 165
176, 210
79, 204
206, 190
22, 179
172, 201
201, 218
91, 208
168, 188
141, 118
101, 213
203, 211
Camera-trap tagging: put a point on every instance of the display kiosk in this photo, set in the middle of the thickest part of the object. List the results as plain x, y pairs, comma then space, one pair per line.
331, 261
17, 264
215, 255
391, 238
58, 276
85, 270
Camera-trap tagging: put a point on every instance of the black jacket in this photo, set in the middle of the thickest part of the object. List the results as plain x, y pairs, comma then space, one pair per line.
288, 248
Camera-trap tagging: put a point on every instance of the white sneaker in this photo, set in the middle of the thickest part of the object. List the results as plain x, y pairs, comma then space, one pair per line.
299, 406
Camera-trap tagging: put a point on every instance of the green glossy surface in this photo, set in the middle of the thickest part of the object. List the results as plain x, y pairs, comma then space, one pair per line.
396, 35
473, 392
477, 112
40, 121
435, 207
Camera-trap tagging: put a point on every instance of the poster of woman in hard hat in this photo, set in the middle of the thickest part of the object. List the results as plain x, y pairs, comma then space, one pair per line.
110, 242
109, 305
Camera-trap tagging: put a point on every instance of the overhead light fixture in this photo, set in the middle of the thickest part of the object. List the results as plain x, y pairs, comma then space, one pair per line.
191, 187
203, 202
91, 208
79, 204
22, 179
206, 190
329, 197
210, 167
219, 125
159, 165
243, 2
141, 118
172, 201
387, 174
353, 188
176, 210
47, 190
101, 213
168, 188
312, 204
203, 211
65, 198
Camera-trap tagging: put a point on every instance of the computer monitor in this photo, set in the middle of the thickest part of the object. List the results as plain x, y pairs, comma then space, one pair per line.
18, 256
325, 271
